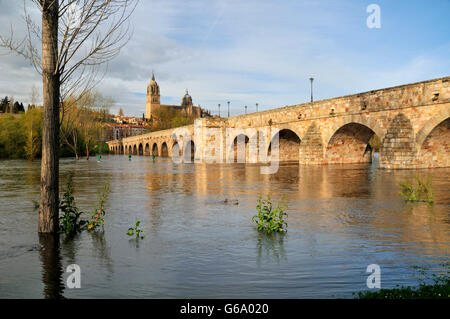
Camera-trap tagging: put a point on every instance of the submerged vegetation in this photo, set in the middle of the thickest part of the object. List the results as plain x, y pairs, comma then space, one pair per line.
70, 216
136, 231
420, 191
269, 218
97, 217
69, 220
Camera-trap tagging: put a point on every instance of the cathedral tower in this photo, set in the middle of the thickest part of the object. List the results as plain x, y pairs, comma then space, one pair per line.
153, 98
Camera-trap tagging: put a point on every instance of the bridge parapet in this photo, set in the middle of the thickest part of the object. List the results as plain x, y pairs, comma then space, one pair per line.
411, 121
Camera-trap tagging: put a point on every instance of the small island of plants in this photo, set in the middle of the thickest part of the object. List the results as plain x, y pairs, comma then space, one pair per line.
270, 218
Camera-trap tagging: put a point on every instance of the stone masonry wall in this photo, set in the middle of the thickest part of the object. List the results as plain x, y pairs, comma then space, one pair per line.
410, 120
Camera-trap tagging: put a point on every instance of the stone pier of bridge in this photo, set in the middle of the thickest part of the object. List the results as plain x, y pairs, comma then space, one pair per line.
411, 121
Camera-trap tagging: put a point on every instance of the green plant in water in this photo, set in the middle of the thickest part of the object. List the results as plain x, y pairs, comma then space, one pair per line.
269, 218
70, 222
97, 217
135, 230
421, 191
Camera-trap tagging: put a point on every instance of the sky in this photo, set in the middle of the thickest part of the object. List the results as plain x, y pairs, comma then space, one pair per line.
258, 51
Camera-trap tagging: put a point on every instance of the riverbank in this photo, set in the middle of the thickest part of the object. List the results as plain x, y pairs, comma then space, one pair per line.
438, 290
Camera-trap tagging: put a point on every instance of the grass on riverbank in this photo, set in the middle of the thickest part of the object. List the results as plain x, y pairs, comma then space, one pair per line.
439, 290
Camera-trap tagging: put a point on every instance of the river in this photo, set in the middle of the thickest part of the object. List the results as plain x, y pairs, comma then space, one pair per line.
200, 240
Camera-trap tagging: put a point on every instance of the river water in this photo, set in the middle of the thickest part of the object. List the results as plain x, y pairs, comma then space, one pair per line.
200, 240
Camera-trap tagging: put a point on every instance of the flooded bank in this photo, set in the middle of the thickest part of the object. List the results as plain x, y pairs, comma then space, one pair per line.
201, 242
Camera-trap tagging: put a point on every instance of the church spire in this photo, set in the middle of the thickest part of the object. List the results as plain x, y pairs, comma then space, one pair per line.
153, 76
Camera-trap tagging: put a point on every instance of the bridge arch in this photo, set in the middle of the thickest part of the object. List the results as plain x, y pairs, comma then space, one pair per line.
435, 149
369, 122
147, 149
239, 156
350, 144
164, 150
431, 125
141, 149
176, 150
189, 151
135, 149
155, 149
288, 146
284, 127
248, 138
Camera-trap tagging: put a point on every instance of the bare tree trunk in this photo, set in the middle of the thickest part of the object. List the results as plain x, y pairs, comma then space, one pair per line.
49, 202
87, 152
52, 270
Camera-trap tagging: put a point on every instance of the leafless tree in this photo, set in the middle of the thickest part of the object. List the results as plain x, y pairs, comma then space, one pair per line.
34, 96
68, 48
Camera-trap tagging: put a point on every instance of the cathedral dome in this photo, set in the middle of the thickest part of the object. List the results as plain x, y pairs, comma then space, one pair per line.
187, 99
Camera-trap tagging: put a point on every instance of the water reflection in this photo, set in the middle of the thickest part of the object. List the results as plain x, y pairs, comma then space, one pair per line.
197, 245
270, 247
52, 270
70, 247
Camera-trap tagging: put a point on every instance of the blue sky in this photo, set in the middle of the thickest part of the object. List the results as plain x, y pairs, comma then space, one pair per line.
258, 51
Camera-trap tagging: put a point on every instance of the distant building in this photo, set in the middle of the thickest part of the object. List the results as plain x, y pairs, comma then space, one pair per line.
154, 103
128, 120
120, 131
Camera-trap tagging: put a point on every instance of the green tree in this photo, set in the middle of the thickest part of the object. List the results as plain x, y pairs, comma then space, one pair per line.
33, 126
4, 105
12, 137
83, 122
166, 118
18, 107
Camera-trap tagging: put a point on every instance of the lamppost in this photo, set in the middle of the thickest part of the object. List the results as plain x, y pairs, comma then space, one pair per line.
246, 110
228, 108
256, 107
311, 79
219, 110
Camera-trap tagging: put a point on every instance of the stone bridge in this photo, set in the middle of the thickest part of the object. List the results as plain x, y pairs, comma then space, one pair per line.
412, 122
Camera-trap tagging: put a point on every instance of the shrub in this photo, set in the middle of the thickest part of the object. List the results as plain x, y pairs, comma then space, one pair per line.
269, 218
70, 222
70, 216
99, 211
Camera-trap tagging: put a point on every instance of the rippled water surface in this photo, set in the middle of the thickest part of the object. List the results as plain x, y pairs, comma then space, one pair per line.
341, 219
